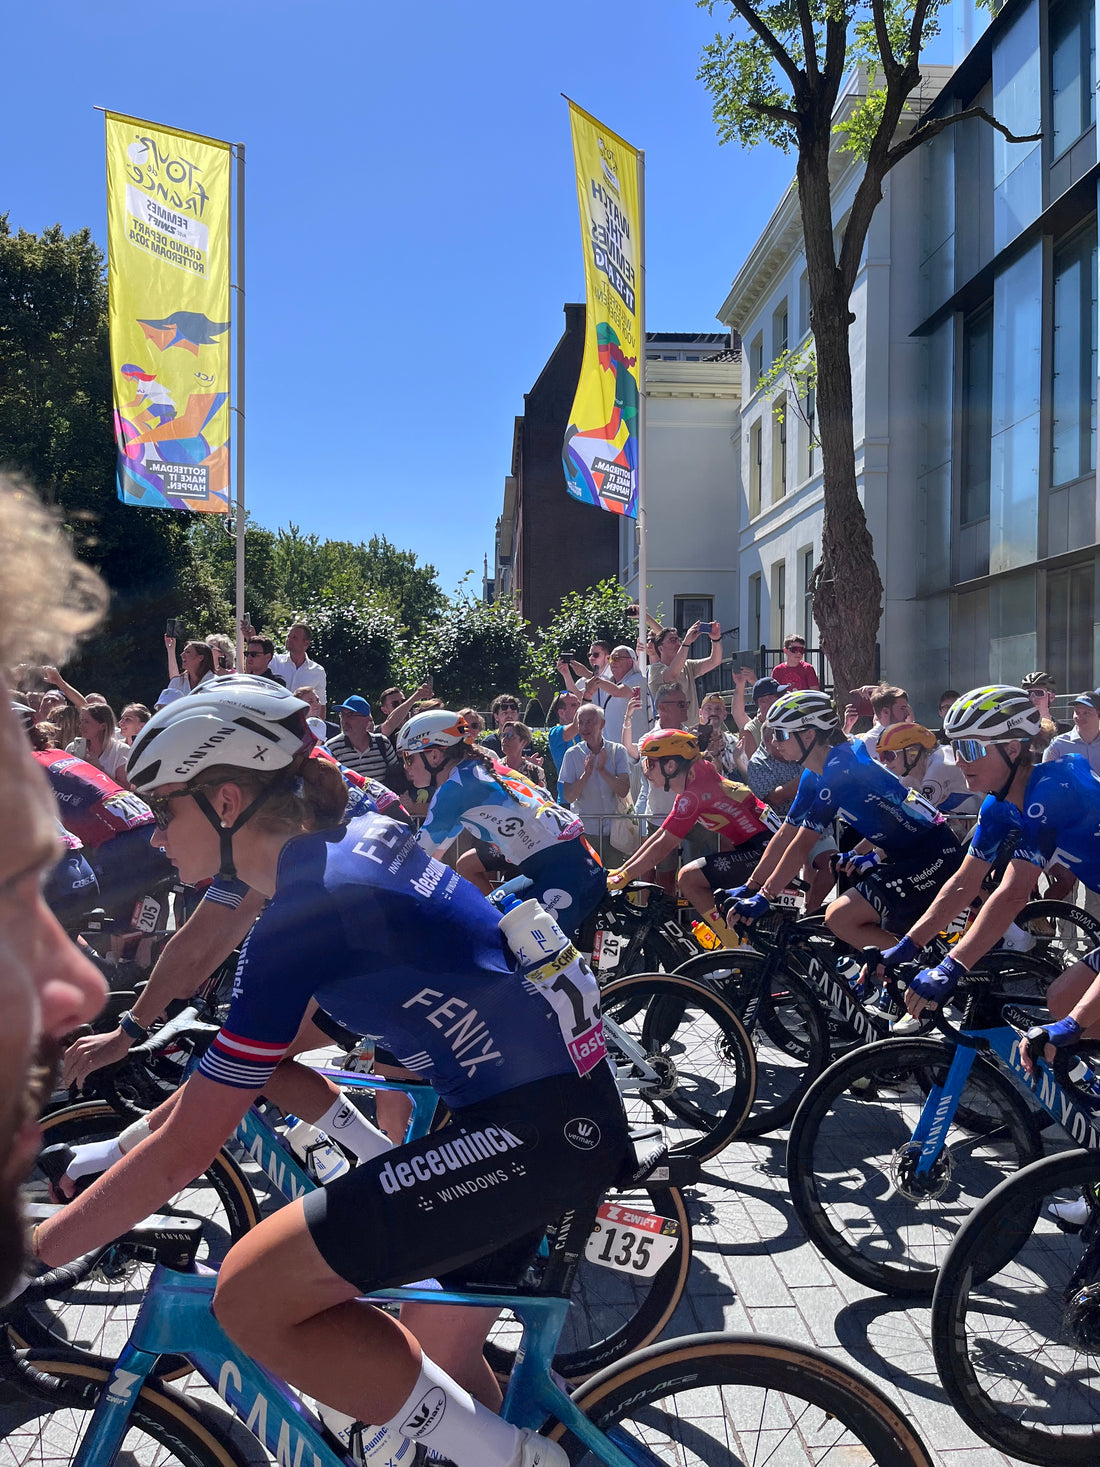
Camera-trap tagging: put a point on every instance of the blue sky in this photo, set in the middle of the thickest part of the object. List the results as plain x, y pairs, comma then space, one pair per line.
412, 219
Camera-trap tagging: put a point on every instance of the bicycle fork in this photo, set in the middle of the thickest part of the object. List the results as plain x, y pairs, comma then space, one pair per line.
939, 1110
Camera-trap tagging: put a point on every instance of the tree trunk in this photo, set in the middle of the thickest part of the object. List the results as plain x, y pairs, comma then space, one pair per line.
847, 586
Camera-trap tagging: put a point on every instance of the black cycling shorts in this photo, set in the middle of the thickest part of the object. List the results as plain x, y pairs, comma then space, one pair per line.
903, 888
733, 868
470, 1202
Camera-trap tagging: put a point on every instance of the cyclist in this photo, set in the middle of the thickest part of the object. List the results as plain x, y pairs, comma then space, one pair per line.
703, 797
914, 754
397, 945
1032, 813
905, 851
114, 826
470, 790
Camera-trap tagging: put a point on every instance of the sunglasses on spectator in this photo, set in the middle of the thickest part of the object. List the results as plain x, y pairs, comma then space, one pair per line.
674, 703
972, 749
507, 707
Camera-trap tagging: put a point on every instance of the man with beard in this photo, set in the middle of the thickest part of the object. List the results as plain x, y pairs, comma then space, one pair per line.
47, 988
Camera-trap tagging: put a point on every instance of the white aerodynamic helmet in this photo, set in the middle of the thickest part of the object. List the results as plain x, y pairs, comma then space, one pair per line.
994, 713
802, 708
247, 722
437, 729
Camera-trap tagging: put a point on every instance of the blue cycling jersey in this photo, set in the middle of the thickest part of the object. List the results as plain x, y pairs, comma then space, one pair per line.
859, 790
1060, 821
390, 943
500, 806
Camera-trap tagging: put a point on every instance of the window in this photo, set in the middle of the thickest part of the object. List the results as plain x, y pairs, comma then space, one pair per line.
779, 447
780, 333
754, 610
1069, 627
779, 603
1073, 390
689, 609
756, 360
803, 304
756, 451
805, 572
809, 408
977, 416
1072, 55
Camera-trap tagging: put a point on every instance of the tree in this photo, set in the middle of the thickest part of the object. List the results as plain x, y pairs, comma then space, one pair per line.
599, 614
777, 79
473, 652
356, 639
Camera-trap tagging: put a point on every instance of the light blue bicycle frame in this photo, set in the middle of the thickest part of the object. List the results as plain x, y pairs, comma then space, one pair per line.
266, 1148
176, 1318
939, 1109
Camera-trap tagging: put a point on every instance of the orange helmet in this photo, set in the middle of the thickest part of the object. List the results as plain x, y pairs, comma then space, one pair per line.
668, 743
898, 736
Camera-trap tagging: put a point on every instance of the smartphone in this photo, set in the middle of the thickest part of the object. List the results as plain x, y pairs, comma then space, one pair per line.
430, 682
714, 628
181, 628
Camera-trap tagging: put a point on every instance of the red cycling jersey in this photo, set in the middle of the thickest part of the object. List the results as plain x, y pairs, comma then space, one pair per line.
91, 805
716, 803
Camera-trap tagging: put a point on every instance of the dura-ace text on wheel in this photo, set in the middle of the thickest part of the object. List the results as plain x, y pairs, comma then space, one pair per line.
710, 1399
851, 1160
1019, 1351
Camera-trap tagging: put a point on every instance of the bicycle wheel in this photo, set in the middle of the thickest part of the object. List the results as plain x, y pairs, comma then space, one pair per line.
95, 1318
698, 1048
851, 1163
713, 1398
1019, 1352
1062, 933
786, 1023
612, 1313
44, 1427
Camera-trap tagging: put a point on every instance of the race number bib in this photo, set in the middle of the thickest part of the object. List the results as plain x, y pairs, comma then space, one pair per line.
569, 986
631, 1241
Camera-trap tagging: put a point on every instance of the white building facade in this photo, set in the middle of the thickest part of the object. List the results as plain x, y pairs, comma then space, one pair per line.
781, 504
693, 423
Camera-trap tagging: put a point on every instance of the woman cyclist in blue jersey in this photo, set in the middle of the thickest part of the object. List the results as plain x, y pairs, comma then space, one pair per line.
470, 790
906, 850
1032, 814
389, 942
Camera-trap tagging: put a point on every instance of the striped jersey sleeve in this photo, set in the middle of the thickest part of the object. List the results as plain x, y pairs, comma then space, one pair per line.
246, 1064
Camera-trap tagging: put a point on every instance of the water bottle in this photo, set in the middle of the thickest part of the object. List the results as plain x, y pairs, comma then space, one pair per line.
531, 932
314, 1149
374, 1446
705, 937
849, 970
1085, 1079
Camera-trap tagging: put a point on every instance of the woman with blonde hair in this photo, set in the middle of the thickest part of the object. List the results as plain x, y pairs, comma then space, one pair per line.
98, 742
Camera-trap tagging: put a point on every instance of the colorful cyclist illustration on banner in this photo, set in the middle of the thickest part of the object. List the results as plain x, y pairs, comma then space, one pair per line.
169, 242
600, 453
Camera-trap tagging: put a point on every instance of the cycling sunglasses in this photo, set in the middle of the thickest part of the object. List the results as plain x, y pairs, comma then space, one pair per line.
973, 749
161, 805
888, 756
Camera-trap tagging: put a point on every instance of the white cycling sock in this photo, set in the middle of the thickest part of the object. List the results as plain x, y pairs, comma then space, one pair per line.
449, 1421
352, 1129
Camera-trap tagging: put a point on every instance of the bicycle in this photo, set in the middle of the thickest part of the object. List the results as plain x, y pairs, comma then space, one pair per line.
613, 1312
689, 1400
1018, 1349
897, 1142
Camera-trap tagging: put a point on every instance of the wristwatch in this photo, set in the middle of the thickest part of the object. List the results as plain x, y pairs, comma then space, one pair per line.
130, 1027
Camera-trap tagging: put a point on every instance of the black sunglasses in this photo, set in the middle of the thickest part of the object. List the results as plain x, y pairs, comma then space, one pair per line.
161, 806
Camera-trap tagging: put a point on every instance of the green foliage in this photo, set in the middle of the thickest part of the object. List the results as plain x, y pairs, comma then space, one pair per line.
740, 74
356, 639
598, 614
473, 651
795, 374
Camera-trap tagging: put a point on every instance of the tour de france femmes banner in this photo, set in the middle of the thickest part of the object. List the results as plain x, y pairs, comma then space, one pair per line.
168, 227
600, 454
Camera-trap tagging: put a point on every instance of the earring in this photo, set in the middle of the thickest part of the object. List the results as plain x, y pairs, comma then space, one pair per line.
225, 824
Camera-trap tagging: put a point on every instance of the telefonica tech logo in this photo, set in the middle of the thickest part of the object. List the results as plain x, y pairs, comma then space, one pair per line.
582, 1133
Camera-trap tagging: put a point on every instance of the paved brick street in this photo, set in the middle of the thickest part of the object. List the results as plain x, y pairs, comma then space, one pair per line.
754, 1270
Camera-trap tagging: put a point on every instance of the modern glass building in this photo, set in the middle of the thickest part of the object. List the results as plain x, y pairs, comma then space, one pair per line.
1006, 535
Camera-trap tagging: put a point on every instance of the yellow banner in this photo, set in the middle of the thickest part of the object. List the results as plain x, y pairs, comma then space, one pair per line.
601, 447
168, 239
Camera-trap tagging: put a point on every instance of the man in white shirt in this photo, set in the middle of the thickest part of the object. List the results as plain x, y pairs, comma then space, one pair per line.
596, 774
611, 690
295, 668
1084, 737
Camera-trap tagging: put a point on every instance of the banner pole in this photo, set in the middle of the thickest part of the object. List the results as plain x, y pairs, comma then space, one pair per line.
238, 343
643, 662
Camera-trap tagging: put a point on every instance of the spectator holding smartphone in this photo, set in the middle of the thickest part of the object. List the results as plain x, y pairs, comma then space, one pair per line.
673, 665
195, 665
